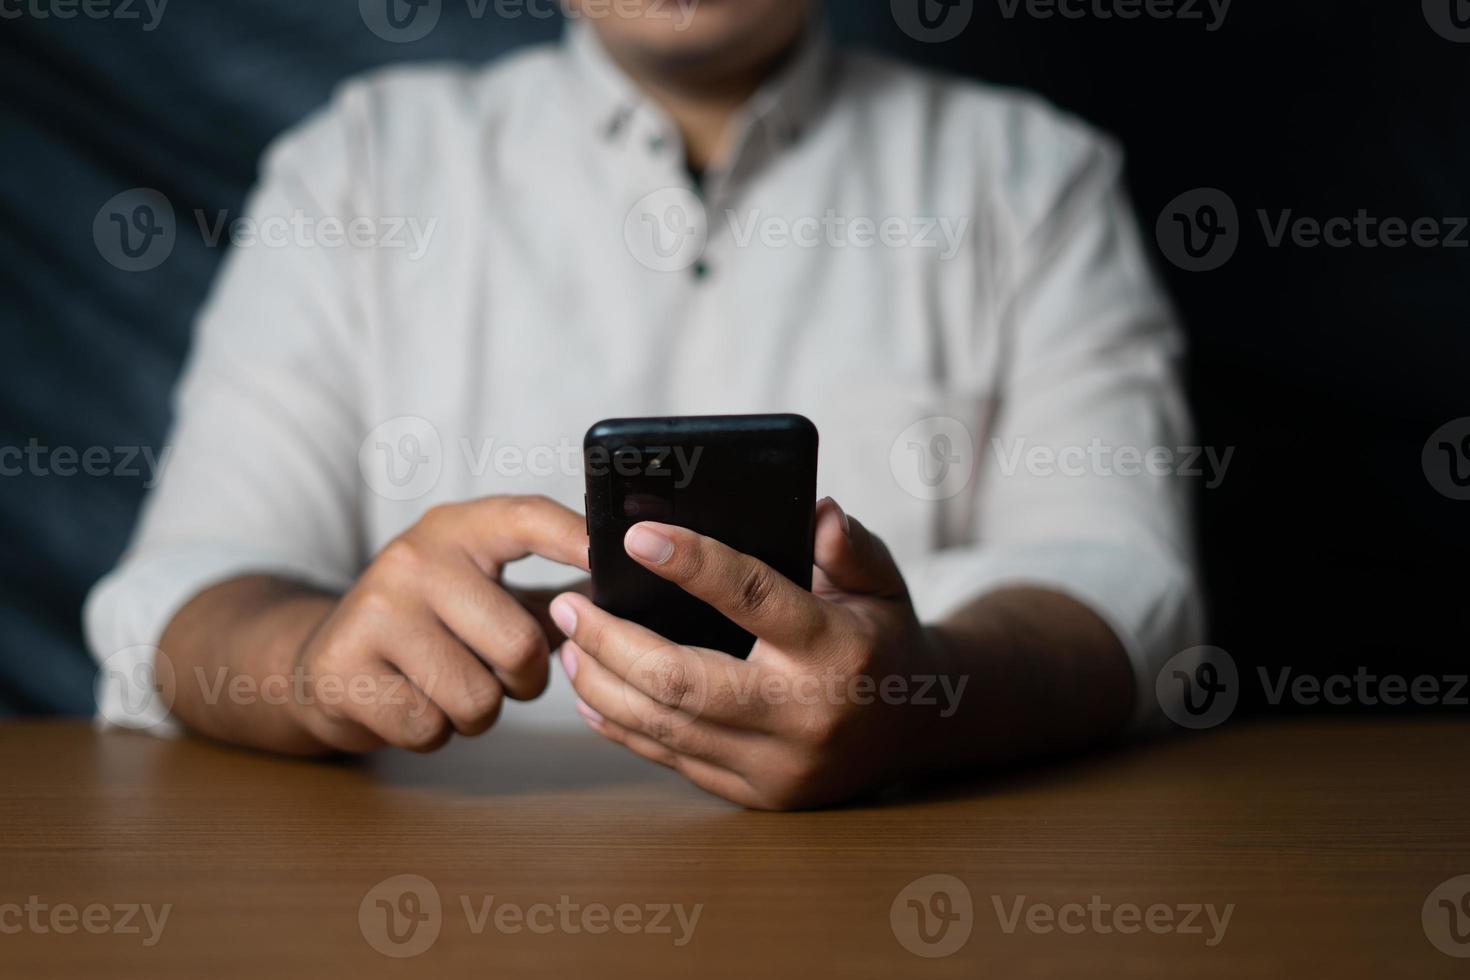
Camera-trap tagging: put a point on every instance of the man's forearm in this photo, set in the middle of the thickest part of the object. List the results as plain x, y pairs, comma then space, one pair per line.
233, 650
1045, 674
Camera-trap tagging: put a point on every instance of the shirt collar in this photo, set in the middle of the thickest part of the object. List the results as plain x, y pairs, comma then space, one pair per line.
783, 108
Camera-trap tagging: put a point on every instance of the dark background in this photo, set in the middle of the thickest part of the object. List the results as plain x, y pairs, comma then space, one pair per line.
1326, 548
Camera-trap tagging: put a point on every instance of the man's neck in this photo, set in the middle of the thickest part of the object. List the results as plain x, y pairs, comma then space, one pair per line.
703, 101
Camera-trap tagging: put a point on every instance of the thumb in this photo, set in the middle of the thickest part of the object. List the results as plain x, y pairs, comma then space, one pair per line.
852, 558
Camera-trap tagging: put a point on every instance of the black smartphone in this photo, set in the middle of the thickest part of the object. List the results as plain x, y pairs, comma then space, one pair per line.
749, 481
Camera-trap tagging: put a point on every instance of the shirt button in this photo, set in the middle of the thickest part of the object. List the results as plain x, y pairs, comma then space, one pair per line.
656, 144
700, 269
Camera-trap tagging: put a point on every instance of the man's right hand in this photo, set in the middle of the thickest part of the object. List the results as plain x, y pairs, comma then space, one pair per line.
426, 643
430, 636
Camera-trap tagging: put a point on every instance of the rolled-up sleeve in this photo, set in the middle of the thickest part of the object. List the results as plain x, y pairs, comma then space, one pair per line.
260, 469
1078, 483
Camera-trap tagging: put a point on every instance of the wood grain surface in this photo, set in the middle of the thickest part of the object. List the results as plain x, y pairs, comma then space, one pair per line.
1324, 839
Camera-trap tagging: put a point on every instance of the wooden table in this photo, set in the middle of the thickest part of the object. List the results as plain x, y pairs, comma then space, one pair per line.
1326, 838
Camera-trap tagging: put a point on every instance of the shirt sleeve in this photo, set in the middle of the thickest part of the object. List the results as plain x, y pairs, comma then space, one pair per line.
260, 474
1077, 486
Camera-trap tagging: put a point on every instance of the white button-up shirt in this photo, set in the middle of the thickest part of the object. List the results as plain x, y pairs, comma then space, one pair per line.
448, 274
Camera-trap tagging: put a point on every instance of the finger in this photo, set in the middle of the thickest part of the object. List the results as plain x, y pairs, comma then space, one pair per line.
702, 683
537, 602
613, 698
444, 670
853, 559
341, 733
750, 592
398, 711
499, 530
493, 625
706, 775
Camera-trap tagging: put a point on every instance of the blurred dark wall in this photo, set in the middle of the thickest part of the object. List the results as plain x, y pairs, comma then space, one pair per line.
1326, 369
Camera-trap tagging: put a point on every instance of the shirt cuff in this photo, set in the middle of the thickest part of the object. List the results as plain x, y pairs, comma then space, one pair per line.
1148, 600
127, 612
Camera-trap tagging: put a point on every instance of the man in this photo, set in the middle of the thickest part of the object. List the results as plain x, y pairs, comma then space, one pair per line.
367, 437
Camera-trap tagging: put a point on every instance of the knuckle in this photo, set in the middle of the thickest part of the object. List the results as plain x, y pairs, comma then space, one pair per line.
521, 649
438, 515
401, 558
482, 704
346, 736
425, 731
373, 603
756, 589
670, 681
522, 509
659, 728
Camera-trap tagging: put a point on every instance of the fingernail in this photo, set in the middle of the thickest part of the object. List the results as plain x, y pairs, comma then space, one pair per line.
588, 713
564, 616
569, 661
647, 544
